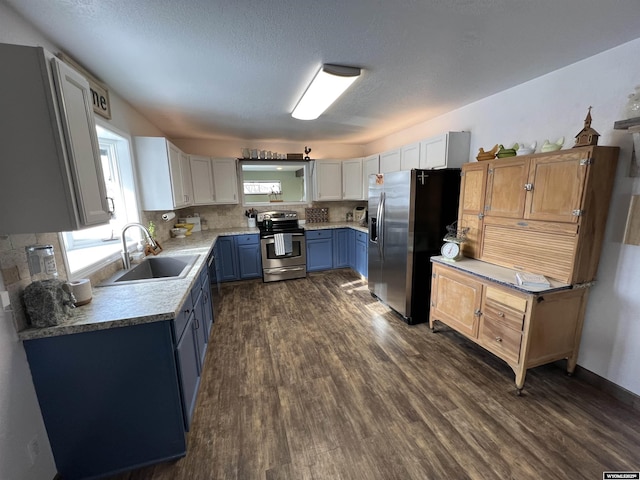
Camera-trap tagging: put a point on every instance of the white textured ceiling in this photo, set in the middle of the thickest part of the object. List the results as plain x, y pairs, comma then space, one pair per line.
236, 68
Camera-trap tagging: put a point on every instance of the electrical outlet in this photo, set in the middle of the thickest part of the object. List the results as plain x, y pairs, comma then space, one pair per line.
11, 275
33, 449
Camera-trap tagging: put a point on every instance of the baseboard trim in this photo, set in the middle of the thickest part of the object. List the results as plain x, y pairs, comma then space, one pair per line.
625, 396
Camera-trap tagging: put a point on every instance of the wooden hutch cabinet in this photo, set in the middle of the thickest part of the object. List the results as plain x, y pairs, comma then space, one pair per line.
542, 213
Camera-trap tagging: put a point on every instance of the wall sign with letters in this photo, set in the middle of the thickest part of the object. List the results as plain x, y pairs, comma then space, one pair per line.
99, 91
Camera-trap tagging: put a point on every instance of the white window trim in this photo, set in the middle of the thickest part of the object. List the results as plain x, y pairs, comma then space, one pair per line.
127, 172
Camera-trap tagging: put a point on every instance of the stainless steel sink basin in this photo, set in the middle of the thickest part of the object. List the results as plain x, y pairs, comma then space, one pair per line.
154, 269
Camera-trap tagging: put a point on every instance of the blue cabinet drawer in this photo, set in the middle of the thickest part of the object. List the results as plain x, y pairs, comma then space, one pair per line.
314, 234
247, 239
361, 237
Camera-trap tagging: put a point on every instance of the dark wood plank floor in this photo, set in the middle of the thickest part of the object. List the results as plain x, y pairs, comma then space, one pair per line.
315, 379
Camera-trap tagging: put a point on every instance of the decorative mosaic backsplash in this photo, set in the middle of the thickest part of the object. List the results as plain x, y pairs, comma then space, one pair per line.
317, 215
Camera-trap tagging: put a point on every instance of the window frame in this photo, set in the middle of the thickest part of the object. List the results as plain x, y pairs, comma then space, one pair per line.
122, 145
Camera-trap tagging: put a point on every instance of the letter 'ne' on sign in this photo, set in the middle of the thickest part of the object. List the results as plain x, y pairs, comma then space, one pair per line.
99, 92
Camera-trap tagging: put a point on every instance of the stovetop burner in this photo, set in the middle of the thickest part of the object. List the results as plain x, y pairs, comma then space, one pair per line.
278, 221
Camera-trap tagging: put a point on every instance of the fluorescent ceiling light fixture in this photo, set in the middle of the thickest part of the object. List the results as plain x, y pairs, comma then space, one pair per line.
328, 84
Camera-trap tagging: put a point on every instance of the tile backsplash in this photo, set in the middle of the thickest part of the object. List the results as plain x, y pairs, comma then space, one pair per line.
232, 216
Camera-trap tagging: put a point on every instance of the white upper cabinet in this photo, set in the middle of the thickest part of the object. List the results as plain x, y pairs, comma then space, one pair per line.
327, 180
410, 157
449, 150
185, 175
370, 165
202, 180
352, 179
214, 180
51, 174
164, 174
225, 180
390, 160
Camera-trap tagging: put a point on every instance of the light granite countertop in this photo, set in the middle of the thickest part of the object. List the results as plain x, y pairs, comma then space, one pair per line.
132, 304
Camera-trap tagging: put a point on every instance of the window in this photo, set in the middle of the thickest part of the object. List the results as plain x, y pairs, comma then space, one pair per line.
89, 249
283, 181
262, 187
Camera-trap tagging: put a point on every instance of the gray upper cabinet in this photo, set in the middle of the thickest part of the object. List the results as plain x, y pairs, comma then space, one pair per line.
449, 150
52, 178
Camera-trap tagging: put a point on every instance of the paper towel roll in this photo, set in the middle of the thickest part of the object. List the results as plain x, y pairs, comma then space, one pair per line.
81, 290
168, 216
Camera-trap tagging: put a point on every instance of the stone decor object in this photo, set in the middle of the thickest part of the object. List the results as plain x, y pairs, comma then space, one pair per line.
48, 302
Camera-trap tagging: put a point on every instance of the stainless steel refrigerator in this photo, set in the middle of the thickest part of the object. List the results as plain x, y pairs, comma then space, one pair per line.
408, 215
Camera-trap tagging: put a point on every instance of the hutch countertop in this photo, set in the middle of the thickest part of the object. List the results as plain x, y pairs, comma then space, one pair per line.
502, 275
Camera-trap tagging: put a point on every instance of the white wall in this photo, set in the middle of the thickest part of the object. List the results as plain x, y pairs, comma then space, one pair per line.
549, 107
232, 148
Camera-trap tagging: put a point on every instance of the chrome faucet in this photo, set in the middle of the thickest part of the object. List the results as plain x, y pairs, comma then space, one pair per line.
126, 261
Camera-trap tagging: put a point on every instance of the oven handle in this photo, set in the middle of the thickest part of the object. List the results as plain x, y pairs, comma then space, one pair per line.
284, 269
272, 235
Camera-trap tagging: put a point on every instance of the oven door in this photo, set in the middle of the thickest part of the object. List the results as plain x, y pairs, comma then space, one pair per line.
297, 257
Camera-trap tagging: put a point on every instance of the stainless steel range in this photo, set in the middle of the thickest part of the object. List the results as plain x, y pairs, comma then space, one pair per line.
284, 250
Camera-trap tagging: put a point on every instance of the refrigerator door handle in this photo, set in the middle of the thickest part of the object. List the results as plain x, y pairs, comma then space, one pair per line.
381, 221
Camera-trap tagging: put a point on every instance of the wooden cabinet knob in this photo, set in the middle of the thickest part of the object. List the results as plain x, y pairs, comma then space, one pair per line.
498, 339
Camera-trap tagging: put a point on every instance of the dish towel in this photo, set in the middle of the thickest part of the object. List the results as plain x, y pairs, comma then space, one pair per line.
288, 243
279, 244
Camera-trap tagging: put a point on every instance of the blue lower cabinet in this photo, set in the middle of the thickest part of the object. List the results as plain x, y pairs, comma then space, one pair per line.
319, 250
343, 247
227, 259
361, 254
249, 256
238, 257
122, 398
188, 360
111, 399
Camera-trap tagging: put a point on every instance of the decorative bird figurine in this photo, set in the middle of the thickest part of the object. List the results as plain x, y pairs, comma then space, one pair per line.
552, 147
507, 152
524, 150
489, 155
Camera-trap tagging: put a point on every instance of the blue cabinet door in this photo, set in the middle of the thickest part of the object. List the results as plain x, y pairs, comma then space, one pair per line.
319, 250
361, 253
207, 289
342, 248
200, 329
249, 257
227, 259
113, 402
188, 366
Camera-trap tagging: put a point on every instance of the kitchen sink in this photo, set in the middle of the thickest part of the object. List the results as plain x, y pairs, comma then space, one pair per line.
153, 269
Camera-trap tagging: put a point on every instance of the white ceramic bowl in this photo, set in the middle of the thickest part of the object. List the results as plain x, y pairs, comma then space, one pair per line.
178, 232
